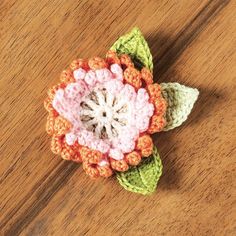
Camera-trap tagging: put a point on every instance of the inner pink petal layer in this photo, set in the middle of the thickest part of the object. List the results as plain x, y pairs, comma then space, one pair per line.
106, 114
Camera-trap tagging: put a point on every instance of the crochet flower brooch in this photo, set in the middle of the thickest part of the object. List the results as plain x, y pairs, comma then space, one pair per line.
104, 111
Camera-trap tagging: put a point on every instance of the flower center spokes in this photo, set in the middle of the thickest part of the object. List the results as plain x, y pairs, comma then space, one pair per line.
104, 113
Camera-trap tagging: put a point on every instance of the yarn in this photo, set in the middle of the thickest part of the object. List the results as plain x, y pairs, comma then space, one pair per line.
104, 110
144, 177
136, 47
180, 100
105, 107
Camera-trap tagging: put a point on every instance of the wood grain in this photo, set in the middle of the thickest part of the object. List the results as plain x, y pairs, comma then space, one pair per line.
193, 42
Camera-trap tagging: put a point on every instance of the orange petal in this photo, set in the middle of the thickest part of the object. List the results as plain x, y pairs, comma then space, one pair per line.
133, 158
79, 63
67, 76
84, 152
126, 60
95, 157
120, 165
50, 124
90, 156
56, 144
61, 126
105, 171
48, 104
147, 152
160, 106
157, 124
133, 77
76, 157
96, 63
154, 91
67, 152
112, 58
91, 170
147, 76
145, 145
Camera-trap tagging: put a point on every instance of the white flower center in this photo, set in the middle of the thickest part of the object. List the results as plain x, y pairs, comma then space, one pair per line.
104, 113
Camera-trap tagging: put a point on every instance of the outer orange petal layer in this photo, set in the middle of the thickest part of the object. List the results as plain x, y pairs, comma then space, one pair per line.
112, 58
157, 124
147, 76
133, 158
119, 165
67, 76
57, 126
96, 63
56, 144
133, 77
145, 145
79, 63
61, 126
126, 61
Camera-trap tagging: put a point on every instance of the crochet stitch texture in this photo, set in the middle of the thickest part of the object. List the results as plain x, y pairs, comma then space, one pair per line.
103, 113
104, 110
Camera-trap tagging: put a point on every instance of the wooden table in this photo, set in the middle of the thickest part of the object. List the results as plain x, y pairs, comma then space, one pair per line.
193, 42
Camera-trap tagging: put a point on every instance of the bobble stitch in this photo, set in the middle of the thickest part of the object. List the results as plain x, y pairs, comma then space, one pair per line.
105, 171
128, 92
90, 160
116, 154
160, 106
79, 74
67, 76
133, 77
70, 138
125, 60
145, 145
120, 165
96, 63
147, 76
67, 152
142, 123
112, 58
154, 91
90, 78
117, 71
94, 157
157, 124
90, 170
103, 75
61, 125
77, 156
133, 158
79, 63
114, 86
48, 104
50, 124
90, 156
56, 144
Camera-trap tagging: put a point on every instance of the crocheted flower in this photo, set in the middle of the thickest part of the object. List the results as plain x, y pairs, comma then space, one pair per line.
103, 112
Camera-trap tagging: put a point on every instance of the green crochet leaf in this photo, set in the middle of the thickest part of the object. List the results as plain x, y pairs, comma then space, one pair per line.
144, 177
135, 45
180, 100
